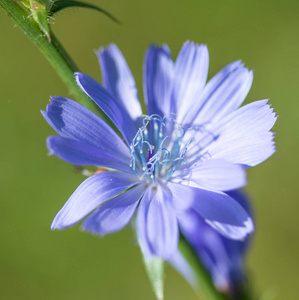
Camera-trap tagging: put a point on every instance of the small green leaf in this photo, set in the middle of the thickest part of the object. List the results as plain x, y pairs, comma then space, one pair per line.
62, 4
41, 18
39, 13
155, 272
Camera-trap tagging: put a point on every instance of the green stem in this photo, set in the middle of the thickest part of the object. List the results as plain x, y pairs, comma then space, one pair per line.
206, 288
52, 50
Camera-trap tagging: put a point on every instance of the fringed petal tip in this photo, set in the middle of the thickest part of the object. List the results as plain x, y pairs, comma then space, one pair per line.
55, 225
110, 47
191, 44
77, 75
60, 221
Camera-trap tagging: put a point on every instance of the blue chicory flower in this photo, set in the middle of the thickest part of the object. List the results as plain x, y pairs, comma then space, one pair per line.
223, 258
193, 145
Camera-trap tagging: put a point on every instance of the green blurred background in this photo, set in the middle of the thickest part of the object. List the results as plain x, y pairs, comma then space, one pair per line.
37, 263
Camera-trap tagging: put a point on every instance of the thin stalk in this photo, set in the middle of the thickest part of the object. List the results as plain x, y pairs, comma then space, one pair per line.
206, 288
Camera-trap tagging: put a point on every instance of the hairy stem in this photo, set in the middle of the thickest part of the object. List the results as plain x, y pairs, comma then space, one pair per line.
52, 50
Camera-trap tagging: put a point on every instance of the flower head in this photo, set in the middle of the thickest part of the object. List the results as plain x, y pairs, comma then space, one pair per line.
192, 146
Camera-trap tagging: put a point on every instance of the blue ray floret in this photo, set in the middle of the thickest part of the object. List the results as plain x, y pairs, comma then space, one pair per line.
223, 258
191, 147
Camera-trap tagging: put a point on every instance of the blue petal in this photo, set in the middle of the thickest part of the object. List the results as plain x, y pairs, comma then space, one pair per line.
181, 201
242, 198
118, 79
91, 193
244, 135
115, 214
179, 262
157, 228
224, 214
202, 236
158, 73
141, 227
80, 153
214, 174
208, 245
72, 120
222, 257
219, 210
112, 108
249, 150
224, 93
237, 248
255, 117
190, 75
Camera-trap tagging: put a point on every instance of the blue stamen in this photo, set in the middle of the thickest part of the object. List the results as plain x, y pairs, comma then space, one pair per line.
160, 147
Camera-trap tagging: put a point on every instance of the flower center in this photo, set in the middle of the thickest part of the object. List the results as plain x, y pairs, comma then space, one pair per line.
159, 148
